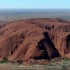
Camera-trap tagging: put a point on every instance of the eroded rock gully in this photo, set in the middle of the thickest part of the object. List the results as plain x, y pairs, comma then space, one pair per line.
41, 38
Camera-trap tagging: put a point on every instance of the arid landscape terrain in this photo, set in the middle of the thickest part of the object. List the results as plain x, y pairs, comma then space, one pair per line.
34, 34
35, 41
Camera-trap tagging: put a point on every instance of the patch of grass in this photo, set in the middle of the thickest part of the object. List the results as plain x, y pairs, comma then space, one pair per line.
64, 64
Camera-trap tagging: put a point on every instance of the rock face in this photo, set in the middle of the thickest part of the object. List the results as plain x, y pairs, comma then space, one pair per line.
41, 38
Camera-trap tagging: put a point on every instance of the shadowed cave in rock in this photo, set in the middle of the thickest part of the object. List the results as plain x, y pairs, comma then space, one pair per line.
42, 46
68, 38
67, 44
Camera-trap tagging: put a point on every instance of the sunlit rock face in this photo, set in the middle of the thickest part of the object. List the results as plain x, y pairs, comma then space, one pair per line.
41, 38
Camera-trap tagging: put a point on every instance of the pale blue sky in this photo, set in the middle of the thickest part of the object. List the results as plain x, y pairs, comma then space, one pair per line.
45, 4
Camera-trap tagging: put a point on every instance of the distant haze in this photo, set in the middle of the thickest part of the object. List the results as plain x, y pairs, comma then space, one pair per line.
12, 14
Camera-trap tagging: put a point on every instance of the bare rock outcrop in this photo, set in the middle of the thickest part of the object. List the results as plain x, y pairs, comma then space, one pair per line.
38, 39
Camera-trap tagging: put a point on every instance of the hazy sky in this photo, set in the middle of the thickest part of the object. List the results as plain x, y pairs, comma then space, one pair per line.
5, 4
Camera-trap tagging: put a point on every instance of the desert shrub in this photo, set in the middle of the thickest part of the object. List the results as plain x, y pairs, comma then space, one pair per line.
66, 59
64, 67
4, 60
19, 62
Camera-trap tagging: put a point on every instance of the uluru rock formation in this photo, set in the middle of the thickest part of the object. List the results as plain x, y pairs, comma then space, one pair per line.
40, 38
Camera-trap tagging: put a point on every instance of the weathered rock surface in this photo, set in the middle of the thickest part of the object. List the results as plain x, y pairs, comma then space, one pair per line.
37, 39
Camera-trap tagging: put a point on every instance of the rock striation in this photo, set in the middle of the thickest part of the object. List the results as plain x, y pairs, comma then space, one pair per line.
37, 39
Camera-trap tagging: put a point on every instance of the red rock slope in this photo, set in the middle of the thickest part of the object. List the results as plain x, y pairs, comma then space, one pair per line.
41, 38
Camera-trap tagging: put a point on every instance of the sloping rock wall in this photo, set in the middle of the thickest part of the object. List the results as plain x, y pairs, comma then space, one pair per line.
35, 39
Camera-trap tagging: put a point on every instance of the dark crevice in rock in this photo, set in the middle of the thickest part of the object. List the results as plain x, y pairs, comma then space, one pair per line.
42, 46
49, 27
67, 44
16, 43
